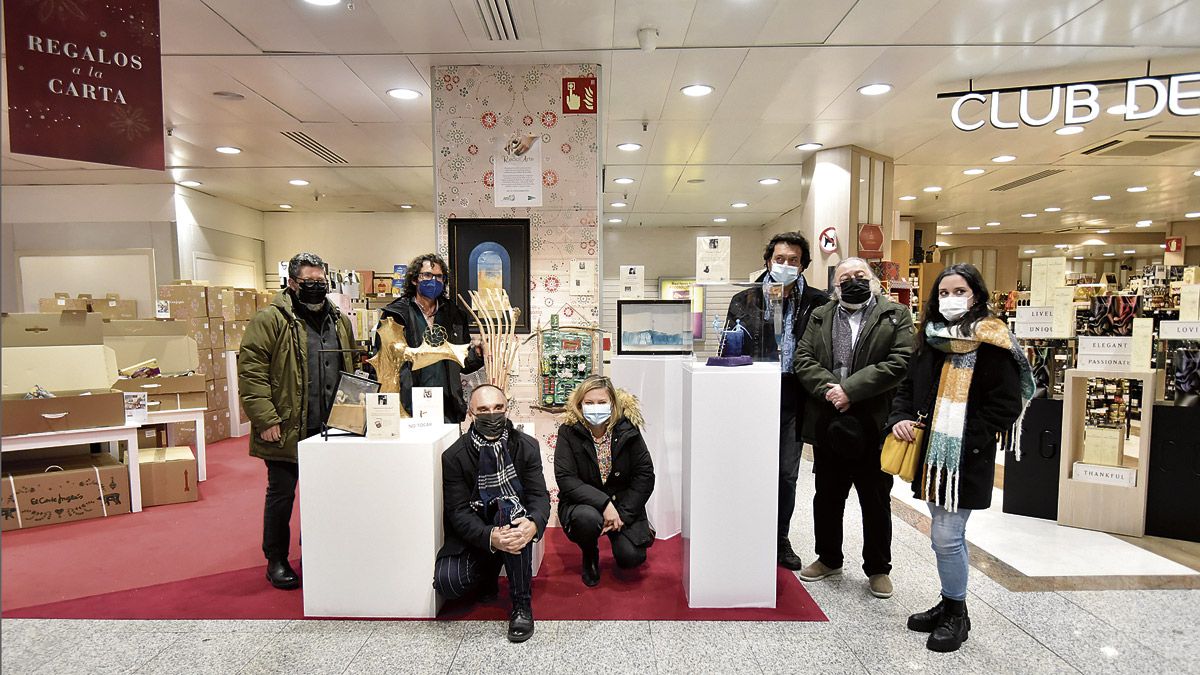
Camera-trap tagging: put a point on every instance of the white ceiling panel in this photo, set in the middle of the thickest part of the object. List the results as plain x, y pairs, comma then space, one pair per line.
795, 23
575, 24
720, 141
1027, 21
810, 79
268, 78
728, 22
881, 21
1110, 22
770, 140
675, 141
640, 84
337, 85
381, 73
192, 27
1174, 27
421, 27
274, 25
715, 68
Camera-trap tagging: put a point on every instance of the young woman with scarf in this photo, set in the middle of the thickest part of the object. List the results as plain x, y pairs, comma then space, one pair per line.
967, 387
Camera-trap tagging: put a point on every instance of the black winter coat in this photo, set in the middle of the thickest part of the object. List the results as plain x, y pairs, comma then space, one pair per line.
457, 324
629, 483
463, 526
993, 406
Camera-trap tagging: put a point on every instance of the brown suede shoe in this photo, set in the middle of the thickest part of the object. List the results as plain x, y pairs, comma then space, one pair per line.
817, 571
881, 585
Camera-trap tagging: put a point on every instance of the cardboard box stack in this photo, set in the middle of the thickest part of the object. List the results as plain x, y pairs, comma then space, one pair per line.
61, 490
63, 302
179, 387
168, 476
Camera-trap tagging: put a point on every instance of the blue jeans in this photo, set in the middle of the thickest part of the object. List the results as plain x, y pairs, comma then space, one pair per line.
948, 535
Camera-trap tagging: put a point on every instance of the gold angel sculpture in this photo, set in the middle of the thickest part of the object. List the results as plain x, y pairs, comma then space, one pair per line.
394, 352
497, 321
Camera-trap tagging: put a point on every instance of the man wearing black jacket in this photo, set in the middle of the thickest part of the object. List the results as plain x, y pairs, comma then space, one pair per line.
495, 507
775, 314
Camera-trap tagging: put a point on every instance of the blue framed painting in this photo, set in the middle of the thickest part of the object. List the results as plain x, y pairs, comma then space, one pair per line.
491, 253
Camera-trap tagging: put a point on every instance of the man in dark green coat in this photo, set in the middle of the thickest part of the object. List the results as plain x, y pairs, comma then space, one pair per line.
853, 355
280, 372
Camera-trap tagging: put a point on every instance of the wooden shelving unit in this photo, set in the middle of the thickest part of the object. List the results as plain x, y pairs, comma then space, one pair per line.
925, 273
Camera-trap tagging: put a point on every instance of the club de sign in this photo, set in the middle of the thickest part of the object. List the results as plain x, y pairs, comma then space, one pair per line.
1076, 103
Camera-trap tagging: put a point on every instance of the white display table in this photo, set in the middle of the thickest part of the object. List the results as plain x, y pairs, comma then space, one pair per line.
730, 484
110, 435
657, 381
371, 517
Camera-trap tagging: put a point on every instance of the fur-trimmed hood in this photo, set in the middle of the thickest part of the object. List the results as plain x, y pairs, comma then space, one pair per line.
630, 407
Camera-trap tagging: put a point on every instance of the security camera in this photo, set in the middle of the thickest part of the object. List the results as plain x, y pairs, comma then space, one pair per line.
647, 38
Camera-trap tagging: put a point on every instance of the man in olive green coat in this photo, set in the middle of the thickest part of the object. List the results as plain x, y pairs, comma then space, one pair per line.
280, 372
853, 355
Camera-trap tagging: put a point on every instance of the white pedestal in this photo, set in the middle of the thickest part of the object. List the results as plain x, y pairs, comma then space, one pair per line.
236, 428
657, 381
730, 484
371, 516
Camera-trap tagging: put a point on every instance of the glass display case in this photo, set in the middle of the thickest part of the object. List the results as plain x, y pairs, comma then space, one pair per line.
657, 327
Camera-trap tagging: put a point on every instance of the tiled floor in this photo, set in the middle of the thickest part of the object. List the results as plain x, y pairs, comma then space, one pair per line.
1029, 632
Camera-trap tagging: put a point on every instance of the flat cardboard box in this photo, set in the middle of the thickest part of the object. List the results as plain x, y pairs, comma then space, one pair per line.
165, 341
59, 352
153, 436
68, 410
206, 365
265, 298
214, 430
186, 301
168, 476
182, 433
216, 334
219, 363
245, 304
221, 303
94, 486
184, 392
234, 332
224, 425
218, 394
63, 302
198, 330
113, 307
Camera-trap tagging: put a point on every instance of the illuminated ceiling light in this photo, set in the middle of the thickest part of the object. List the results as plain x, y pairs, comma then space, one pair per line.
1144, 223
190, 183
622, 181
1103, 231
324, 3
1062, 246
285, 206
720, 220
1093, 242
1136, 188
228, 150
1069, 131
1162, 245
1129, 252
1078, 257
1193, 214
1101, 198
1052, 209
973, 227
298, 182
993, 223
697, 90
1000, 159
1196, 173
809, 146
629, 147
618, 205
614, 220
1094, 221
406, 206
907, 198
401, 93
768, 181
1029, 215
1109, 254
1119, 109
947, 232
932, 188
973, 172
876, 89
739, 205
1031, 250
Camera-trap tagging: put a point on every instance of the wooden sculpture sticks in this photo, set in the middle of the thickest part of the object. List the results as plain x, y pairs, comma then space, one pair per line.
497, 321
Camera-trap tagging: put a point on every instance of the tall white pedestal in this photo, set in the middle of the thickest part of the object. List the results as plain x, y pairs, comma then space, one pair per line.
730, 484
657, 381
371, 516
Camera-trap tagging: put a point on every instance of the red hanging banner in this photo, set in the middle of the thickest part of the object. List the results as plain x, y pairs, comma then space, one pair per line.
85, 80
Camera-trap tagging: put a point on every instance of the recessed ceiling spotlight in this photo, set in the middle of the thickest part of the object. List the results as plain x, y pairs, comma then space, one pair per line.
406, 206
876, 89
629, 147
1144, 223
298, 182
1078, 257
622, 181
618, 205
228, 150
1101, 198
973, 227
402, 93
229, 95
1119, 109
932, 188
993, 223
1196, 173
1062, 246
739, 205
697, 90
1193, 214
720, 220
1136, 188
947, 232
973, 172
1103, 231
942, 244
614, 220
1109, 254
809, 146
1129, 252
1069, 131
285, 206
324, 3
1052, 209
1000, 159
907, 198
1031, 250
190, 183
768, 181
1029, 215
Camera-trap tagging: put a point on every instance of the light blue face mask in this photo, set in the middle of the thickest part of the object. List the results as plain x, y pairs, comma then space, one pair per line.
784, 274
597, 413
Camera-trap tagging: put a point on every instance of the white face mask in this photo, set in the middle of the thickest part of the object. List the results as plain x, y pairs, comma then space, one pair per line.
784, 274
597, 413
954, 307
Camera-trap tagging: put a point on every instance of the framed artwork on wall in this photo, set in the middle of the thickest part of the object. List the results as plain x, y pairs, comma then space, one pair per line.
491, 253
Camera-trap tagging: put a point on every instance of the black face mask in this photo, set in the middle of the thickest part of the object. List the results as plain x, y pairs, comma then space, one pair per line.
856, 291
491, 425
312, 292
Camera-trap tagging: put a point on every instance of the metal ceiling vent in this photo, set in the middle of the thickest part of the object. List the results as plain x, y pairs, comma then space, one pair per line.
1148, 145
497, 17
1027, 180
312, 145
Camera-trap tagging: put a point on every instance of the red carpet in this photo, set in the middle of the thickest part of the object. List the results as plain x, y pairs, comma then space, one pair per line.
202, 561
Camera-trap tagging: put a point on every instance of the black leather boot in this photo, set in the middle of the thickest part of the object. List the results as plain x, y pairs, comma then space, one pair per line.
952, 628
520, 624
786, 557
281, 575
591, 566
925, 622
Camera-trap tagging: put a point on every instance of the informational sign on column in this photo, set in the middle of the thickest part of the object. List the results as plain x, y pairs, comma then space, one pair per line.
712, 260
583, 277
633, 282
1046, 275
517, 172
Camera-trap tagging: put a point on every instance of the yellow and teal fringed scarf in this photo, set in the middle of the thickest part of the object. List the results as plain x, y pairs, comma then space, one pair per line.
943, 456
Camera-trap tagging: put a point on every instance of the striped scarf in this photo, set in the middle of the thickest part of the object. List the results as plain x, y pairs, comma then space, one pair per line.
943, 456
499, 487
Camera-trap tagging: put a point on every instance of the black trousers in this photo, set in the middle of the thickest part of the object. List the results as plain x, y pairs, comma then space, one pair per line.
582, 523
834, 476
277, 512
455, 575
790, 406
